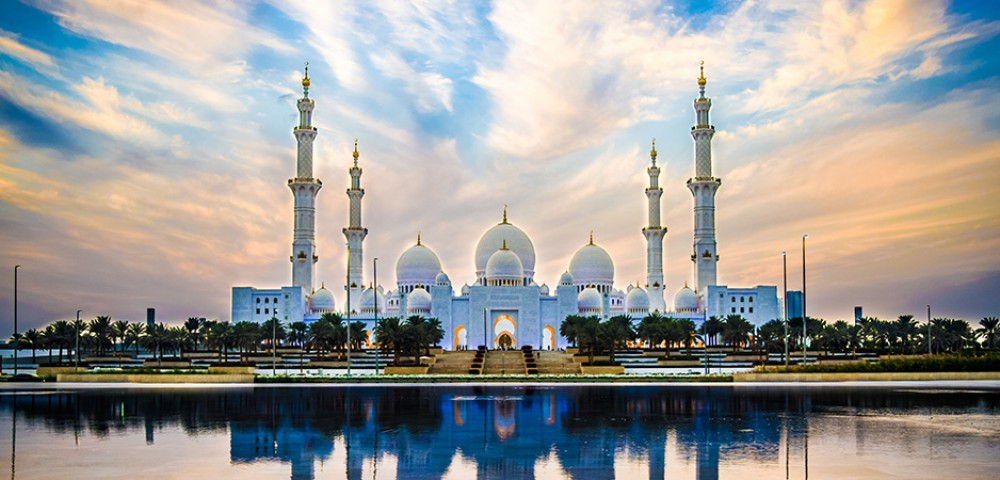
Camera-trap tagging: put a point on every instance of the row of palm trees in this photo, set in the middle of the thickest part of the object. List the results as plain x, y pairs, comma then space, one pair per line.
102, 335
901, 336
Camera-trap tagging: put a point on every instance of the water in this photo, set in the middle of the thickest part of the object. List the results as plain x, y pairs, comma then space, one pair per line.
899, 430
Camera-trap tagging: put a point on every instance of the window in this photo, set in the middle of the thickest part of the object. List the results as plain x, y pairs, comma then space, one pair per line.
258, 311
734, 299
258, 299
741, 299
734, 310
751, 299
275, 299
751, 309
266, 310
741, 310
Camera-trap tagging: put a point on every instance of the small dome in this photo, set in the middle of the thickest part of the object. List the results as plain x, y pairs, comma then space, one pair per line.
566, 279
418, 301
322, 300
368, 300
465, 289
637, 299
591, 264
442, 280
504, 266
544, 290
589, 301
418, 265
686, 300
517, 241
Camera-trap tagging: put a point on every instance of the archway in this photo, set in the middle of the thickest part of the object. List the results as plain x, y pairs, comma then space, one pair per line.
505, 341
548, 338
461, 338
504, 326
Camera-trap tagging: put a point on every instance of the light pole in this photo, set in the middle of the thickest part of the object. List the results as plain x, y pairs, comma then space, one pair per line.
804, 317
16, 267
929, 330
375, 301
76, 356
348, 308
784, 297
274, 345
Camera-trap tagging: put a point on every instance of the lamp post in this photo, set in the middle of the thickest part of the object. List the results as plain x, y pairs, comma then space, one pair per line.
784, 297
348, 308
804, 317
274, 345
76, 356
16, 267
929, 330
375, 301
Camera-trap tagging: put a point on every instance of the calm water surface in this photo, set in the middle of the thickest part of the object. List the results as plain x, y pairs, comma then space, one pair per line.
635, 432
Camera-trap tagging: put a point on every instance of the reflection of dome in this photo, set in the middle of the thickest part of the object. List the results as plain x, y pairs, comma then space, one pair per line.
589, 301
686, 300
637, 299
591, 264
504, 268
417, 265
517, 241
322, 300
418, 302
368, 299
566, 279
442, 280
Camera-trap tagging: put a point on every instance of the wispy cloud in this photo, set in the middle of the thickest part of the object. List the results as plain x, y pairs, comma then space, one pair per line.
9, 45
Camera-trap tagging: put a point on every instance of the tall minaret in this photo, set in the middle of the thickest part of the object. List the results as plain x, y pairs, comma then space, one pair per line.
304, 189
654, 238
703, 186
355, 234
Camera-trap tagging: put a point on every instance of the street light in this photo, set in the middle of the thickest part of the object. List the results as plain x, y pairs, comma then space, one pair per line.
274, 345
375, 302
16, 267
76, 357
784, 297
804, 317
929, 330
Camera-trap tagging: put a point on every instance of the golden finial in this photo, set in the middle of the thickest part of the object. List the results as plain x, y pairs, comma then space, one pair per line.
418, 237
355, 152
685, 284
503, 246
652, 153
701, 80
504, 214
305, 82
591, 237
322, 285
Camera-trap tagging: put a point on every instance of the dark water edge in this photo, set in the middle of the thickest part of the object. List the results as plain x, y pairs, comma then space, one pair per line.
928, 430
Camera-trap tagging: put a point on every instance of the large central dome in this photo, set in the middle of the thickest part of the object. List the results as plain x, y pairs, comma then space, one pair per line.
591, 265
517, 241
418, 265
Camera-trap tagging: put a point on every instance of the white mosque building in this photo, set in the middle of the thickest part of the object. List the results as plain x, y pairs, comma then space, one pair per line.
504, 306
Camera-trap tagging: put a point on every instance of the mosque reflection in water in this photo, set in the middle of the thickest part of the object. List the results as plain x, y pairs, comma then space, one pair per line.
503, 432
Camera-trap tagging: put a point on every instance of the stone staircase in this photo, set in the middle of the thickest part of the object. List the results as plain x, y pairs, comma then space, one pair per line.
555, 363
504, 362
453, 363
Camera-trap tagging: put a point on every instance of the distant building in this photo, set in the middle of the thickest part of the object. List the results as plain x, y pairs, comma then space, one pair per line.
794, 304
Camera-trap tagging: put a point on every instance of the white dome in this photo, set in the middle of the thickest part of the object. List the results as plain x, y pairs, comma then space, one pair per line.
589, 301
465, 289
517, 241
637, 298
591, 264
322, 300
368, 299
418, 265
504, 265
566, 279
442, 279
418, 301
686, 300
544, 290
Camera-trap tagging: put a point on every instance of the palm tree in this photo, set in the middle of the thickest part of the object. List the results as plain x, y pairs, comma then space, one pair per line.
711, 328
247, 336
219, 336
686, 329
989, 331
772, 336
133, 335
193, 326
905, 330
389, 332
651, 330
101, 328
32, 338
273, 327
118, 332
569, 328
61, 335
155, 339
617, 331
736, 331
297, 333
589, 335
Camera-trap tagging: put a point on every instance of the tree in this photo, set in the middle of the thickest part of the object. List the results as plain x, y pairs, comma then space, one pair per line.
711, 328
569, 328
989, 330
155, 339
617, 331
904, 331
193, 327
651, 330
101, 328
736, 331
389, 332
273, 327
134, 334
950, 335
247, 336
61, 335
686, 329
772, 336
31, 338
118, 332
589, 335
220, 337
298, 333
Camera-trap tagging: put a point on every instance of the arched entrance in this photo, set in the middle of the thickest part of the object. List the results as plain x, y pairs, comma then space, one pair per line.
504, 329
461, 338
548, 338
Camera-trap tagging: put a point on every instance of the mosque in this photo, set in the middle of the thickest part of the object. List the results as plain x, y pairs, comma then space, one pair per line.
504, 306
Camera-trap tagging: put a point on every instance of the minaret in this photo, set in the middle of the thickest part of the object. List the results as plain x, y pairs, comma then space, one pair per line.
703, 187
654, 234
355, 234
304, 189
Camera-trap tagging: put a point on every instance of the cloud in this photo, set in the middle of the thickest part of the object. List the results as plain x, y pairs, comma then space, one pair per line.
10, 45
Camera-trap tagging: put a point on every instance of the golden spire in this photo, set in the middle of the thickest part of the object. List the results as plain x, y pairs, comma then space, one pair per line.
355, 152
701, 80
652, 153
503, 246
305, 82
322, 285
418, 237
504, 214
591, 237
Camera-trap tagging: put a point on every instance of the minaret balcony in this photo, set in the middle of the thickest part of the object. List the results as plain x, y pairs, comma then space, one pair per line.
304, 180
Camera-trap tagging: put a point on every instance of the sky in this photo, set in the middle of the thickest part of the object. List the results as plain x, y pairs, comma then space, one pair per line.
145, 146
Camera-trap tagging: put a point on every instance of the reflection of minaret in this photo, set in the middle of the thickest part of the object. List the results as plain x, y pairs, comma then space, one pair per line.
304, 188
703, 187
654, 238
355, 234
